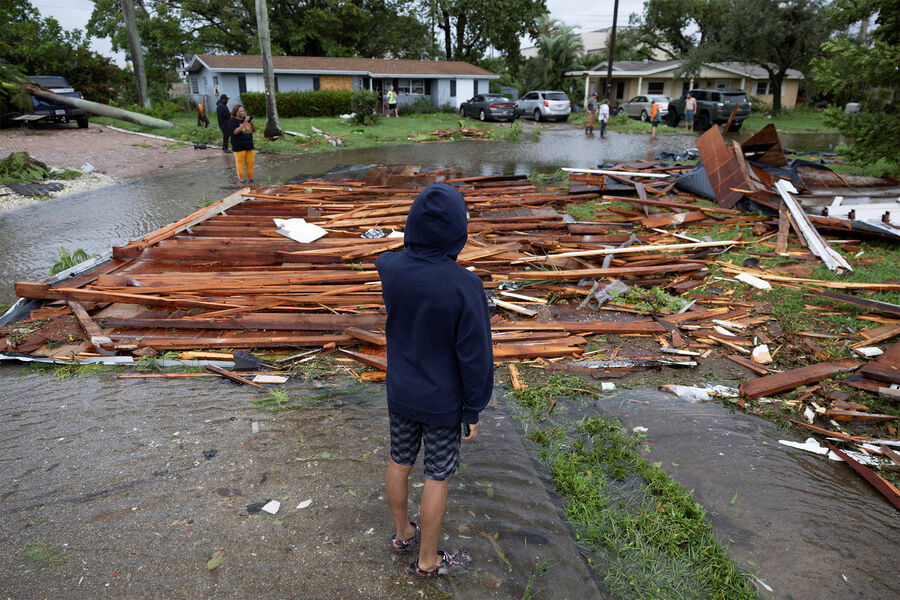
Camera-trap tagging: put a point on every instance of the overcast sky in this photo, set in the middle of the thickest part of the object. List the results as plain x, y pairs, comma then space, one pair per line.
587, 16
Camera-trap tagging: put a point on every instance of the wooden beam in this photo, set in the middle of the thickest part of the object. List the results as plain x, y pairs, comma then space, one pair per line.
788, 380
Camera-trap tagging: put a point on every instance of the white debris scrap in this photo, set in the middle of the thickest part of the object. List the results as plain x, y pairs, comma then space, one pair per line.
272, 506
761, 354
756, 282
299, 230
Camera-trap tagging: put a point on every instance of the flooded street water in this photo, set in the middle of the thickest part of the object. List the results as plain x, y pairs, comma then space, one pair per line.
809, 527
139, 482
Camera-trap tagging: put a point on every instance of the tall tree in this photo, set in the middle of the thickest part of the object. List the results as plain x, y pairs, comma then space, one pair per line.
136, 52
787, 37
40, 46
679, 27
865, 72
470, 27
273, 126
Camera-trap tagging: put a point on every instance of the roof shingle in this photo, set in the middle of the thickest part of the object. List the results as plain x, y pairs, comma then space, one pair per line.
378, 67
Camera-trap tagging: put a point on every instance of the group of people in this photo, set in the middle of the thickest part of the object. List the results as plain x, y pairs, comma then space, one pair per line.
237, 128
593, 111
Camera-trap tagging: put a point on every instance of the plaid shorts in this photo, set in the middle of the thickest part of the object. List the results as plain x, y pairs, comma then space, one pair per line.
441, 446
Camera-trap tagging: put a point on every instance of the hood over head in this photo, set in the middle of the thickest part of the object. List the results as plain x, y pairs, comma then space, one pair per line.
437, 224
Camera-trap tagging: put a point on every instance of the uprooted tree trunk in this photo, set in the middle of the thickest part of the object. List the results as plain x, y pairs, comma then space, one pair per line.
98, 109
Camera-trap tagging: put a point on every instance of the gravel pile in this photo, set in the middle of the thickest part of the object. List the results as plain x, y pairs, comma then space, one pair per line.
9, 200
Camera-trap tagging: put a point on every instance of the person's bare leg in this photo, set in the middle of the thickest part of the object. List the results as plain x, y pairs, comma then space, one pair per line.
431, 511
396, 485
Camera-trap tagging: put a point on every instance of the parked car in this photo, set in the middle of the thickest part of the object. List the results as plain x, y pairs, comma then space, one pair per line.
486, 107
544, 105
713, 106
639, 106
55, 112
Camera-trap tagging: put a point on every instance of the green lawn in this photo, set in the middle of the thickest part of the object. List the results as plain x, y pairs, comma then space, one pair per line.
795, 120
385, 131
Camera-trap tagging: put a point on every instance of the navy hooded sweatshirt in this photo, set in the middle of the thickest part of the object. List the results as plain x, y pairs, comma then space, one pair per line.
440, 361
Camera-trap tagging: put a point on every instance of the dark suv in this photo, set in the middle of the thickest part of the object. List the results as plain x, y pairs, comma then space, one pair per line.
58, 113
713, 106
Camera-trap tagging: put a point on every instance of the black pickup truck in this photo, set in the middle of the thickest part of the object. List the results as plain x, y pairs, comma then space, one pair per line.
58, 113
713, 106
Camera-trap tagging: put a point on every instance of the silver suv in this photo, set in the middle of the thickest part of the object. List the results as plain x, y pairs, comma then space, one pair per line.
544, 105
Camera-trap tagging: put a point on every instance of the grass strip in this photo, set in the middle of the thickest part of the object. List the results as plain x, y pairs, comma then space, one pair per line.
643, 533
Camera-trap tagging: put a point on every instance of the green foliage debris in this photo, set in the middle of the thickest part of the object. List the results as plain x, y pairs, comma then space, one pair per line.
45, 555
21, 167
67, 261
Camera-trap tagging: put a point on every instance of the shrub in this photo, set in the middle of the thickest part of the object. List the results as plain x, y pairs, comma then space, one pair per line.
421, 106
324, 103
363, 106
758, 105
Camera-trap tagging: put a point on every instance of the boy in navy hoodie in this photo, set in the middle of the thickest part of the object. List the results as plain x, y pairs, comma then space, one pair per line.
440, 367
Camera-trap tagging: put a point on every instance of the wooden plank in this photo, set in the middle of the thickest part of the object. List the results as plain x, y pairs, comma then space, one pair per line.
829, 433
674, 205
788, 380
595, 327
877, 305
839, 414
879, 483
93, 331
514, 377
721, 166
232, 376
630, 250
377, 339
613, 271
377, 362
784, 228
43, 291
746, 362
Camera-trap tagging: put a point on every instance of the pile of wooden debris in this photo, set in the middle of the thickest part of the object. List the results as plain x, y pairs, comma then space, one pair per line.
288, 267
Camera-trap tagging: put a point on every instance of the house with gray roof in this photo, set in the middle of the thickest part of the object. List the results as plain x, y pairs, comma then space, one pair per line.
632, 78
442, 82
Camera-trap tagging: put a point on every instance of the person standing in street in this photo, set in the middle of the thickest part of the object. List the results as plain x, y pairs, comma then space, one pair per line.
241, 128
440, 370
690, 106
655, 118
604, 117
591, 108
224, 116
392, 102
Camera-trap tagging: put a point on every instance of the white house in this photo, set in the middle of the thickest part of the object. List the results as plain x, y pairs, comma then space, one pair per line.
443, 82
657, 77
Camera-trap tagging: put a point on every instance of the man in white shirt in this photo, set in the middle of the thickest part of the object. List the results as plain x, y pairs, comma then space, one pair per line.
603, 113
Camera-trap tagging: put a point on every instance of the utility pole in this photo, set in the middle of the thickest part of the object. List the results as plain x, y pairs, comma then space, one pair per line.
612, 50
273, 126
137, 55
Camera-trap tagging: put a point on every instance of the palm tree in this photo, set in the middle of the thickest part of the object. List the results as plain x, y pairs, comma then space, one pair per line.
273, 126
559, 49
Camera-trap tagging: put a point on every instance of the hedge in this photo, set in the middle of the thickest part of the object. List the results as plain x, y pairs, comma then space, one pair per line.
324, 103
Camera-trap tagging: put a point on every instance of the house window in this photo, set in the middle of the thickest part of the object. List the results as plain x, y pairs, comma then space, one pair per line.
685, 88
763, 88
414, 87
475, 89
195, 85
656, 88
242, 84
215, 81
315, 83
453, 88
723, 83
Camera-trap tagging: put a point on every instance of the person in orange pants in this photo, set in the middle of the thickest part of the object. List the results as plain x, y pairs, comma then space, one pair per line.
242, 128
